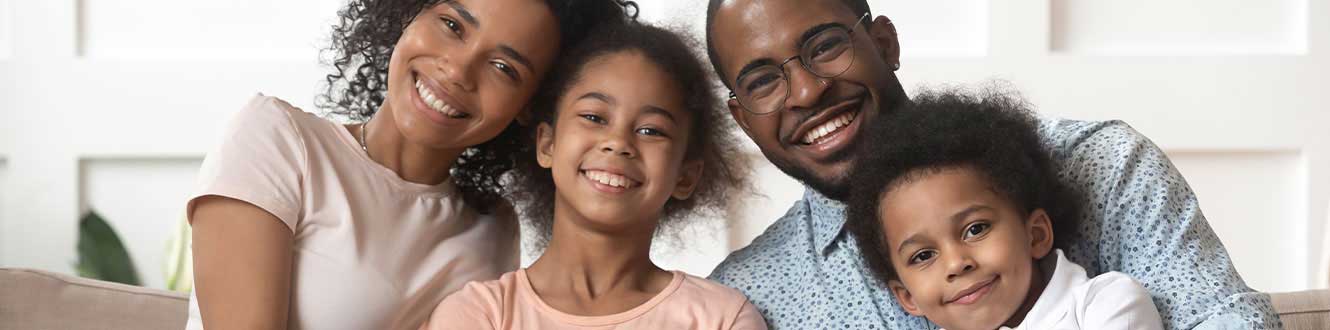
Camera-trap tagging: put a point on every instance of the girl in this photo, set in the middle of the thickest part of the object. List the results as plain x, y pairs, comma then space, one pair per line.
303, 223
629, 136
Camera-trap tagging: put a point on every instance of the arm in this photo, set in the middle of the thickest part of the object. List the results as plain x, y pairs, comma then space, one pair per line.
1141, 218
242, 265
1118, 302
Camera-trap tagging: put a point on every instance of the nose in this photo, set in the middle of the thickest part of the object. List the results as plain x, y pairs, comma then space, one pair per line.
806, 88
456, 65
616, 144
959, 264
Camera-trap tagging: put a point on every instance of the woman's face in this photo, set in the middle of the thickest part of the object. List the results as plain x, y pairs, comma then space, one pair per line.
617, 151
464, 69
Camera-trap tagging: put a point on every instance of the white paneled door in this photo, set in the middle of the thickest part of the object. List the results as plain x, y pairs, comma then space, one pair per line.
108, 105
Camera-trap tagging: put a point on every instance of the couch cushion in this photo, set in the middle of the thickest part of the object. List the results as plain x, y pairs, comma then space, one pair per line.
33, 299
1303, 309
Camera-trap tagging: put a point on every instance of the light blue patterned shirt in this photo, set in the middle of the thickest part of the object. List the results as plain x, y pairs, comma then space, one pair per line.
1141, 218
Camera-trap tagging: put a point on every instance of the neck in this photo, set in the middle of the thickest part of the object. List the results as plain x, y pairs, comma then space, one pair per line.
412, 162
588, 263
1038, 281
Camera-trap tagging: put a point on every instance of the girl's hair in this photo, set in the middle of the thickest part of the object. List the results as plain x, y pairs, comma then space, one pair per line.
724, 170
362, 44
992, 132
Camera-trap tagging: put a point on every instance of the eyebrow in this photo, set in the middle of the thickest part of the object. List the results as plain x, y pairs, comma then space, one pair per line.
958, 217
610, 100
660, 111
507, 50
598, 96
462, 11
808, 34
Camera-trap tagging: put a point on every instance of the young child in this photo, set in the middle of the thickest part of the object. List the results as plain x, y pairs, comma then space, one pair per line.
955, 207
630, 137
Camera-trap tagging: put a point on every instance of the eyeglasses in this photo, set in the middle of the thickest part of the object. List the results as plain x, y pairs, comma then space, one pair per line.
827, 54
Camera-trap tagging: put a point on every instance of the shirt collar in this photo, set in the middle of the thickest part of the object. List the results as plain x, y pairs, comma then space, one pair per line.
827, 217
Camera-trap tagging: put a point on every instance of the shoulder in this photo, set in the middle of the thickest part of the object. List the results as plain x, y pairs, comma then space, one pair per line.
1114, 285
718, 298
778, 244
478, 305
1088, 141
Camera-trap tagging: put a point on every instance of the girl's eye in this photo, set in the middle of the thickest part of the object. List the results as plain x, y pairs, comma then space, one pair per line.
506, 69
452, 25
650, 131
922, 256
592, 118
977, 229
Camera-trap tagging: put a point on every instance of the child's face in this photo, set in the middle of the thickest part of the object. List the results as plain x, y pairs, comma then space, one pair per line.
463, 69
964, 255
617, 149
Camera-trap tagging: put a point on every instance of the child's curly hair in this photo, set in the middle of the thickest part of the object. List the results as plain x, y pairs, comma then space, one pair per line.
712, 140
992, 132
362, 44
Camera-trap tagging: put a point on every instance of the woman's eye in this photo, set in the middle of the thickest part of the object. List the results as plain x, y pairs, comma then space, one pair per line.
922, 256
977, 229
506, 69
452, 25
593, 118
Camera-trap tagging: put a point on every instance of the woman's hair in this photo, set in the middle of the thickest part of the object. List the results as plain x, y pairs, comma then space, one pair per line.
992, 133
362, 44
711, 139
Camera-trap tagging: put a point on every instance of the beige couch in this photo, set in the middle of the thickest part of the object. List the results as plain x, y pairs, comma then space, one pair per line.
32, 299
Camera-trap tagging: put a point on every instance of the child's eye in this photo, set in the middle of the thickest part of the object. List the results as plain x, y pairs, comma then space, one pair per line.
976, 229
650, 131
592, 118
922, 256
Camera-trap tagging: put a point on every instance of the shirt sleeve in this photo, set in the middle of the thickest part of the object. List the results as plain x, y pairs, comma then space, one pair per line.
1115, 301
1141, 218
749, 319
260, 160
468, 309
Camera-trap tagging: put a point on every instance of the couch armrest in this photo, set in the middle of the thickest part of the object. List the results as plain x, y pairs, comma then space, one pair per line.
1303, 309
34, 299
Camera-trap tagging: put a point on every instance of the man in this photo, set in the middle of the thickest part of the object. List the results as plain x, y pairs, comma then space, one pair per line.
806, 74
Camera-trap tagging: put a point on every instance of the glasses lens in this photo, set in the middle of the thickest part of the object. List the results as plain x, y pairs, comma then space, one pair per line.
829, 53
762, 90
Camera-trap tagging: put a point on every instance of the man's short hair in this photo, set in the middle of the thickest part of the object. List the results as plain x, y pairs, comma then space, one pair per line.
857, 7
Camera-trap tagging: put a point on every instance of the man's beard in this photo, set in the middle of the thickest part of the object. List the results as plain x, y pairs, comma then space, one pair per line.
836, 187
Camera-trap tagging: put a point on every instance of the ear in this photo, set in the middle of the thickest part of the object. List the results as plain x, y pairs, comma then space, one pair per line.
690, 175
1040, 229
737, 111
884, 35
904, 298
544, 145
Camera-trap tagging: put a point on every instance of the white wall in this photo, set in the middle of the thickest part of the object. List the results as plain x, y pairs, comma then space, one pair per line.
110, 104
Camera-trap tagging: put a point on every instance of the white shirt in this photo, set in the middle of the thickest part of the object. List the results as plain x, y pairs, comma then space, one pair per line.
1073, 300
369, 249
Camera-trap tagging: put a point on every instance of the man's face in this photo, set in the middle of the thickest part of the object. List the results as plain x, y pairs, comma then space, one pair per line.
812, 136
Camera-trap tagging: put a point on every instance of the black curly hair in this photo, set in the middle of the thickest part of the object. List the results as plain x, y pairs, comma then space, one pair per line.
711, 139
362, 44
992, 132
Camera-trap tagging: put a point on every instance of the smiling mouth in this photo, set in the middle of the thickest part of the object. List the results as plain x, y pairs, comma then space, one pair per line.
973, 293
436, 103
610, 180
834, 125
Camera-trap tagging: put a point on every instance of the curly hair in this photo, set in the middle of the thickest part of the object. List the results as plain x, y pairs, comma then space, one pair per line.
711, 139
992, 132
362, 44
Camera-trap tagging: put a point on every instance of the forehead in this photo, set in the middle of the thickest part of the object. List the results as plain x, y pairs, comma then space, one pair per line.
746, 30
929, 199
648, 84
524, 25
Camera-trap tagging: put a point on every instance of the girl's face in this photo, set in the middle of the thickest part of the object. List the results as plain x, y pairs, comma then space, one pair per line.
463, 69
964, 255
617, 149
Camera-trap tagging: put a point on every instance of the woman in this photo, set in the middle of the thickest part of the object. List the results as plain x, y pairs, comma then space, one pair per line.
303, 223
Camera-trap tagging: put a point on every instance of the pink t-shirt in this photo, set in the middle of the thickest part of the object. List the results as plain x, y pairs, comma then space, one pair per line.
370, 249
688, 302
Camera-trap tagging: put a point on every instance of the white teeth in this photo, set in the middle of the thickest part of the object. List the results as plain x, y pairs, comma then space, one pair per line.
609, 179
828, 127
436, 103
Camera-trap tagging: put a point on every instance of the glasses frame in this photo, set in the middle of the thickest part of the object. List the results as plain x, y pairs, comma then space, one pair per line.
803, 63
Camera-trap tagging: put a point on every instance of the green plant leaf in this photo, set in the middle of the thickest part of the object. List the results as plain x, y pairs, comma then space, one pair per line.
101, 254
